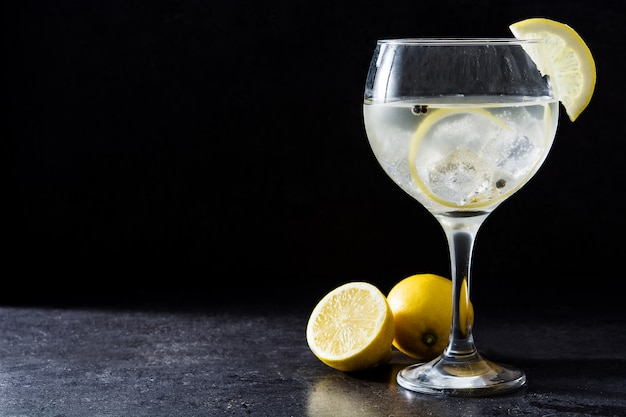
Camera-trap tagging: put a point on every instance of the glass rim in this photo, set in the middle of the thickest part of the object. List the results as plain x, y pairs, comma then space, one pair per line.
455, 41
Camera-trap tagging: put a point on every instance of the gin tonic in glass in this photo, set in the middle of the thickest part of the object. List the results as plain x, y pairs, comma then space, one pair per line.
460, 125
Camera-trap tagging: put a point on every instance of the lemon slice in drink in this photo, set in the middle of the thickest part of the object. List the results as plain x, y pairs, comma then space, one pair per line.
351, 328
448, 162
566, 59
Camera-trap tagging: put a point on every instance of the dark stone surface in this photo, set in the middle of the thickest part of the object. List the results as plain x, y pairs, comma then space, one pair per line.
243, 361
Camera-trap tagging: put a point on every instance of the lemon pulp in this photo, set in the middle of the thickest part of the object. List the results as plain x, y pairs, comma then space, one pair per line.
351, 328
566, 58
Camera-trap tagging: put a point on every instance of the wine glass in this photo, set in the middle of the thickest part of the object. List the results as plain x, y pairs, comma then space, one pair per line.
460, 125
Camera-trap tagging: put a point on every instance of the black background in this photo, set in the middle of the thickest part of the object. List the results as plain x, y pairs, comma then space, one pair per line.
213, 151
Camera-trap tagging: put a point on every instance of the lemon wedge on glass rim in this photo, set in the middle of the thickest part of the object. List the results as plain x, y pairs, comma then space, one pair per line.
567, 60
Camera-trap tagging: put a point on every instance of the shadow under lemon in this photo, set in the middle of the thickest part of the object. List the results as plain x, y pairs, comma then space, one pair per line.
356, 393
371, 393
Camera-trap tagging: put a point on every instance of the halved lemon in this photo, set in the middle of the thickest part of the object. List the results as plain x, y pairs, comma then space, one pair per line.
566, 59
351, 328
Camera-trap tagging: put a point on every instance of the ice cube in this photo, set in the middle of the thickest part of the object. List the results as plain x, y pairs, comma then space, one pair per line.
519, 156
462, 177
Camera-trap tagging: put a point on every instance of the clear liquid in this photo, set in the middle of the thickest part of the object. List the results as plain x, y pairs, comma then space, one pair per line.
462, 154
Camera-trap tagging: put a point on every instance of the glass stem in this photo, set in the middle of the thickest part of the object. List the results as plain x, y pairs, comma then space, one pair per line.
461, 230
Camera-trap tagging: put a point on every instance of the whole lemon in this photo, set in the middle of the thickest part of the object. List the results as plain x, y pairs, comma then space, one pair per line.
422, 312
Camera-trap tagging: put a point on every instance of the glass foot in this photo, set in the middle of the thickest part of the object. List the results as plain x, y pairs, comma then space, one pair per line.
469, 377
